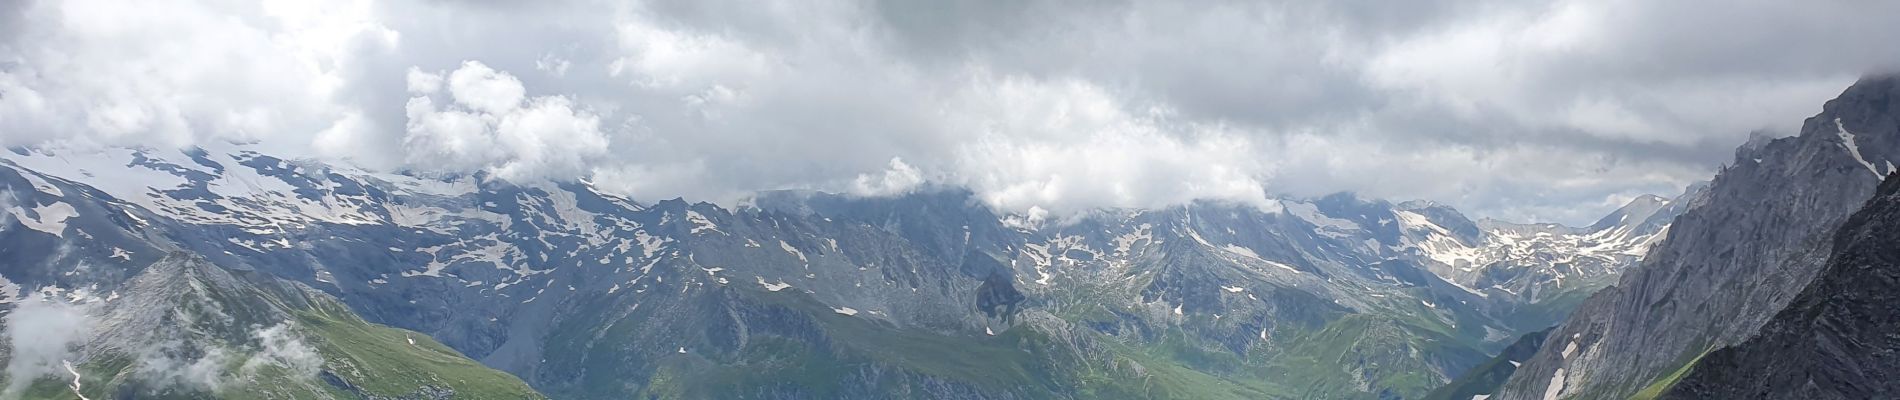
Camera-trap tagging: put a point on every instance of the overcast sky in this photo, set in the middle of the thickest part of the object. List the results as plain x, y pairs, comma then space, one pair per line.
1525, 110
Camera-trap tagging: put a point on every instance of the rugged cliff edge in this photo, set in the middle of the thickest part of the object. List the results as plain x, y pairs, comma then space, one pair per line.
1837, 339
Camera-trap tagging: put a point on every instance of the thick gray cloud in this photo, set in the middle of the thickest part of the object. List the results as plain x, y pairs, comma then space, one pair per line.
1546, 110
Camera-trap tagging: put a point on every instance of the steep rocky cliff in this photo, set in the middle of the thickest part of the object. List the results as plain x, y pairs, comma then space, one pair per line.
1759, 237
1837, 339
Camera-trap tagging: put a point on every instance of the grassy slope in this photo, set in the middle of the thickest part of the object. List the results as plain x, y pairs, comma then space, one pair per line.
1357, 354
1016, 361
1350, 355
1020, 362
378, 360
1656, 389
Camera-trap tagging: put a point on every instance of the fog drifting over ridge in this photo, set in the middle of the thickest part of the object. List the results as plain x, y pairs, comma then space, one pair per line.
1553, 110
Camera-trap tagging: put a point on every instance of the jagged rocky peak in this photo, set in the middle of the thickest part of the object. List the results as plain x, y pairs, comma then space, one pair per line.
1751, 149
1638, 210
1645, 218
1445, 216
183, 296
1742, 251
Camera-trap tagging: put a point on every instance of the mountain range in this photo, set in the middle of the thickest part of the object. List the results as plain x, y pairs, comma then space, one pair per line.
790, 294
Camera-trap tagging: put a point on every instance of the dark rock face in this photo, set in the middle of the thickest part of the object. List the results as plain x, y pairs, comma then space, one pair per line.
1730, 263
1838, 339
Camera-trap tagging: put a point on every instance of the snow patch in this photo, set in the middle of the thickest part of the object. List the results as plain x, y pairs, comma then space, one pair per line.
794, 251
773, 287
1412, 221
1126, 242
1328, 226
41, 184
1847, 139
1556, 385
52, 217
75, 372
1240, 250
1467, 289
700, 223
1282, 266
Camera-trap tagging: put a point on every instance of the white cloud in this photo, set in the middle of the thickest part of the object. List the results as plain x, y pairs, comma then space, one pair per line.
280, 346
660, 58
1068, 146
348, 137
491, 127
553, 65
448, 139
549, 137
198, 362
478, 87
899, 179
172, 72
6, 221
42, 332
174, 362
423, 82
